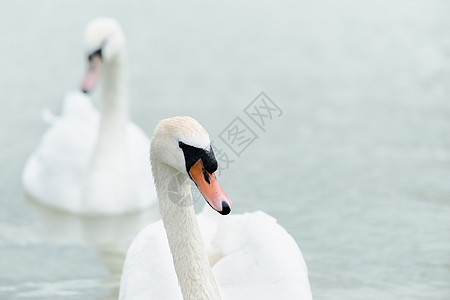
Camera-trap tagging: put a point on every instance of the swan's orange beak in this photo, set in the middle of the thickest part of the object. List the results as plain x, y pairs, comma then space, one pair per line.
209, 187
92, 74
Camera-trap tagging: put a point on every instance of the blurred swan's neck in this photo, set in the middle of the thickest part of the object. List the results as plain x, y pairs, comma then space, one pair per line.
111, 143
186, 244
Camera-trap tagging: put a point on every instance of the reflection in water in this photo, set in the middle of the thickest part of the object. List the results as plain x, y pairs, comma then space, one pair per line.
110, 236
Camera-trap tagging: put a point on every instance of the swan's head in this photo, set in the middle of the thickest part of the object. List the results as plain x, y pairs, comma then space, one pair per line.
183, 144
104, 43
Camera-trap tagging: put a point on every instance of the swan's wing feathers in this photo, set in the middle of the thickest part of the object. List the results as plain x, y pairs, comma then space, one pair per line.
138, 147
74, 105
60, 161
79, 106
260, 260
57, 172
148, 270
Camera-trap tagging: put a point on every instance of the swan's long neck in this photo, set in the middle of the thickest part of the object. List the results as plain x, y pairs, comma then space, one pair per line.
186, 244
111, 144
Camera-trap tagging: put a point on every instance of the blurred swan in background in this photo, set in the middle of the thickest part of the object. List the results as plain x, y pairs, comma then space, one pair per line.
89, 163
247, 256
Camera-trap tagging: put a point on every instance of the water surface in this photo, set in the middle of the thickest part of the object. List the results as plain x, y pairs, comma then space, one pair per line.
357, 168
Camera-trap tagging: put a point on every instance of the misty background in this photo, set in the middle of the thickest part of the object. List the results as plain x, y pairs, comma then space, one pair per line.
357, 168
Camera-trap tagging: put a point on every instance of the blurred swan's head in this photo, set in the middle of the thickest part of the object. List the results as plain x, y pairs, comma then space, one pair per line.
105, 45
104, 35
183, 144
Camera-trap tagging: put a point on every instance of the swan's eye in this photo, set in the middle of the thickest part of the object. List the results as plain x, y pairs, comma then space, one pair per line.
193, 154
209, 160
97, 52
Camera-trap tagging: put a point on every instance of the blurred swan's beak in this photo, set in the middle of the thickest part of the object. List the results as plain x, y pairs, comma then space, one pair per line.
209, 187
92, 73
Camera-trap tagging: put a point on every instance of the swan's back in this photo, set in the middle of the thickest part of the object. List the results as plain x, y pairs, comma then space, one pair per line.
148, 271
57, 172
55, 169
260, 259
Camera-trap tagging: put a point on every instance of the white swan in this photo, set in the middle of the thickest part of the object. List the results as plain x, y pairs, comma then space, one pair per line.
89, 163
246, 256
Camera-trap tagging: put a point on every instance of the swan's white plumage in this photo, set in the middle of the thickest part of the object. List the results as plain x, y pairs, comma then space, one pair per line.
56, 173
252, 257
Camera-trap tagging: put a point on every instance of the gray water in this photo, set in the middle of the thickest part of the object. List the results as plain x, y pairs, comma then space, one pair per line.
357, 168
